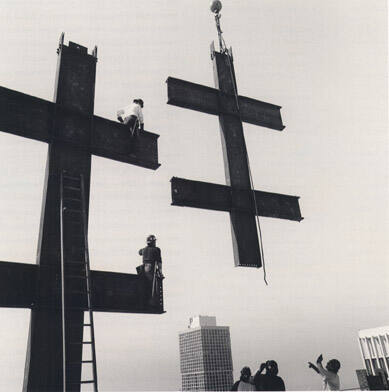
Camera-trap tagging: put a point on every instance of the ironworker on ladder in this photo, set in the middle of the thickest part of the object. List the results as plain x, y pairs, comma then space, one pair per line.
132, 116
152, 269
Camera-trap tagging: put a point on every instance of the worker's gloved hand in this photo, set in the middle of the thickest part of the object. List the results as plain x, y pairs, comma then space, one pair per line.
120, 119
319, 359
310, 364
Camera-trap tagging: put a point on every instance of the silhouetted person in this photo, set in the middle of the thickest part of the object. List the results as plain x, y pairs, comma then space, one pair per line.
269, 381
244, 383
152, 270
330, 376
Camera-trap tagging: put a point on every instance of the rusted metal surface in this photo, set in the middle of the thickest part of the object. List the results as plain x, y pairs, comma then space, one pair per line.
210, 100
205, 195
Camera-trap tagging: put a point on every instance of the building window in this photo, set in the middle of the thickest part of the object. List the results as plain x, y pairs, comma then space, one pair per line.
368, 367
382, 363
375, 364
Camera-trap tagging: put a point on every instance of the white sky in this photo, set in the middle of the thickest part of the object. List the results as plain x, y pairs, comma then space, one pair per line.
325, 63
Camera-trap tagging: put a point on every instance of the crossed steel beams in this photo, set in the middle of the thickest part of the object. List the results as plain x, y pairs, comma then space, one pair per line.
237, 197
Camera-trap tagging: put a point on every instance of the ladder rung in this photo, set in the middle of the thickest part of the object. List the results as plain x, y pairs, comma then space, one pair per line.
71, 177
71, 199
85, 308
78, 291
77, 236
75, 262
81, 382
72, 210
79, 363
73, 188
87, 325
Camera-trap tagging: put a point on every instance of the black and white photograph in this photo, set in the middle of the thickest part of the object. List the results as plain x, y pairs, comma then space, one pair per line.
194, 195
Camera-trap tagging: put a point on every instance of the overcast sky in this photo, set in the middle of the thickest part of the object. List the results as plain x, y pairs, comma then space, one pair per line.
325, 63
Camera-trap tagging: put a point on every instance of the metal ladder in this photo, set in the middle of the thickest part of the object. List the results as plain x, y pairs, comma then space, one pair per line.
75, 276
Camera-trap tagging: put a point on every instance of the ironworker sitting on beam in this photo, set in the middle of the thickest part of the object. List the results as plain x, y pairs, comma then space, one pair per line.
132, 116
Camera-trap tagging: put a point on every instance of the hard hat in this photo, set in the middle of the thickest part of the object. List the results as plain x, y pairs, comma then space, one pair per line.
216, 6
151, 238
139, 101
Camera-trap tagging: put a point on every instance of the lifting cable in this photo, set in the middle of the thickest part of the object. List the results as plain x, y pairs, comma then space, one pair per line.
223, 49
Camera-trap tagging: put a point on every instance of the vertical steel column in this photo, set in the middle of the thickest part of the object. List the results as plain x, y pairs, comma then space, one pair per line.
74, 97
243, 225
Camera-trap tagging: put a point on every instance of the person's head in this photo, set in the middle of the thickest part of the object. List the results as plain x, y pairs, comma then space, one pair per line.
151, 240
139, 101
333, 365
245, 374
271, 368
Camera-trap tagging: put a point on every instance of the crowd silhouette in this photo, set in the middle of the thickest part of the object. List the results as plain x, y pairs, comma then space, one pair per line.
271, 381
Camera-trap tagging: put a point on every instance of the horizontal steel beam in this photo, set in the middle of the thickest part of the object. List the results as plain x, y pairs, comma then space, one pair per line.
210, 196
25, 115
117, 292
112, 140
33, 118
210, 100
111, 291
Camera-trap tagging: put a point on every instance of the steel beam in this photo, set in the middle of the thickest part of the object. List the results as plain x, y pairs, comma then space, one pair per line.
33, 118
17, 284
210, 100
111, 291
205, 195
112, 140
24, 115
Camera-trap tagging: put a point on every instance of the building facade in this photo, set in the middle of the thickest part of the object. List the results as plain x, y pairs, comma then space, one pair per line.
374, 346
205, 356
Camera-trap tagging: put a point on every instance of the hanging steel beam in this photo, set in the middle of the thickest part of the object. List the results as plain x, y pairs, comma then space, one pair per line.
210, 100
199, 194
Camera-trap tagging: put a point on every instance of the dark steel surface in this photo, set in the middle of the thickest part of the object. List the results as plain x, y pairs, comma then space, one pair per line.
112, 140
243, 225
112, 291
209, 100
73, 133
24, 115
74, 97
198, 194
118, 292
237, 198
17, 284
33, 118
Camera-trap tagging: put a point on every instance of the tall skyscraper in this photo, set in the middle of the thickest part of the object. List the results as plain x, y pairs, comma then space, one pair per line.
205, 356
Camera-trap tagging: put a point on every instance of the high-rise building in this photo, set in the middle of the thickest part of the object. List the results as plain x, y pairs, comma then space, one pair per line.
205, 356
374, 346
